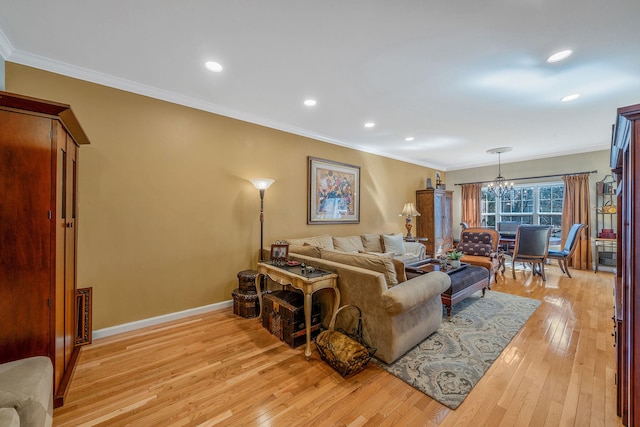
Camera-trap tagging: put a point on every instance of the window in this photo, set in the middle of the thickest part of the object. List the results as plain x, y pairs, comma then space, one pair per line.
528, 204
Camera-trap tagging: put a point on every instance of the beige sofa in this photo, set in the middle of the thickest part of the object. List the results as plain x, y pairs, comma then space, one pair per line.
397, 313
26, 393
380, 244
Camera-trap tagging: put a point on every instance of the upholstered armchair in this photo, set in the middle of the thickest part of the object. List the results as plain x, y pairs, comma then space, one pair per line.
480, 247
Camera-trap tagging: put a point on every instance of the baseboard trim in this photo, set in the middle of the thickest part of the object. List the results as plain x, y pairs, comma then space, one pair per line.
138, 324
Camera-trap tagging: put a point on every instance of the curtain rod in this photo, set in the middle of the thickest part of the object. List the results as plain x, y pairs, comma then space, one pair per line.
533, 177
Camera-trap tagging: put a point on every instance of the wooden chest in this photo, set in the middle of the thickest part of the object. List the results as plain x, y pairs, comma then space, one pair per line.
283, 316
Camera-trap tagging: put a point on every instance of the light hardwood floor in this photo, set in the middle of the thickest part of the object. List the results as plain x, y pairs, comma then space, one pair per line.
220, 369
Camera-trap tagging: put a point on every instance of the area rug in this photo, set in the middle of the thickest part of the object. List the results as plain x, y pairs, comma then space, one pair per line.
450, 362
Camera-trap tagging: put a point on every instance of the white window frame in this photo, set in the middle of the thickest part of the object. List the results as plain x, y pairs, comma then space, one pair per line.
535, 214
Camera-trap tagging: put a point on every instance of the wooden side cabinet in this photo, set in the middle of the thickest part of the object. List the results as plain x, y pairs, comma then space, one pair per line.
39, 143
435, 222
625, 165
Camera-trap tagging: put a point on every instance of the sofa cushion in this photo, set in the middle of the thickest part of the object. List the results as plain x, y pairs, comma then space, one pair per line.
371, 242
375, 263
393, 243
308, 250
9, 417
351, 244
490, 263
27, 386
324, 241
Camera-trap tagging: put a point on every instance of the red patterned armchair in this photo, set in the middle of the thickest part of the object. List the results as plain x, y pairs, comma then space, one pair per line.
480, 247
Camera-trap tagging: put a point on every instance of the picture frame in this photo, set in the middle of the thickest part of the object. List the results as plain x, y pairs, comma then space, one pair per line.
279, 252
333, 192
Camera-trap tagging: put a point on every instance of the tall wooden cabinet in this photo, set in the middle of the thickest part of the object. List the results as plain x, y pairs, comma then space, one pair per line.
38, 233
435, 221
625, 164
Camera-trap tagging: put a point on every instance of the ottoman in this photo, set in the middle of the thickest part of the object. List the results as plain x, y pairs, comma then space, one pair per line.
465, 282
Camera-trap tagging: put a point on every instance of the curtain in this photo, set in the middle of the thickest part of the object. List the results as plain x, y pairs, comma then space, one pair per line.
577, 209
472, 204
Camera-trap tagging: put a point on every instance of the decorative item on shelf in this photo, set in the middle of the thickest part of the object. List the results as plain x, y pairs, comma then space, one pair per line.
429, 185
608, 208
454, 258
408, 211
500, 187
439, 184
279, 252
262, 184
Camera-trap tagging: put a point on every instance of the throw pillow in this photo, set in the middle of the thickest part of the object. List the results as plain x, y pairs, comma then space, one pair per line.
371, 242
375, 263
351, 244
393, 243
306, 249
325, 241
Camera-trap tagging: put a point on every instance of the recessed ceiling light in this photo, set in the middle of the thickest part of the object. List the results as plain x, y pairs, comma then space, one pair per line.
369, 124
310, 102
213, 66
559, 56
570, 97
409, 138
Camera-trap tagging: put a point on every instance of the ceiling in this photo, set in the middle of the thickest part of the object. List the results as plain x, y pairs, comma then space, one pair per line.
460, 77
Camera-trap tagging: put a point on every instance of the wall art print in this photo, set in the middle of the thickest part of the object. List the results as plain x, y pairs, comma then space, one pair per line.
334, 192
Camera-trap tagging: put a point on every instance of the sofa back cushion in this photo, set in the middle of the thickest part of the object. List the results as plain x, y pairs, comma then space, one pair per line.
393, 243
351, 244
376, 263
324, 241
371, 242
307, 250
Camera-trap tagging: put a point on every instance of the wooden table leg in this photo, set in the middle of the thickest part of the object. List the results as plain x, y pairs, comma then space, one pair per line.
307, 321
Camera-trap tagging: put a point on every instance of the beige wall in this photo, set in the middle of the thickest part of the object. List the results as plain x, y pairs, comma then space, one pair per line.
596, 160
167, 214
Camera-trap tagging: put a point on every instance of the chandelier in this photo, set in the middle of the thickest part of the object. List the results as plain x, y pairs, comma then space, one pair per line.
500, 187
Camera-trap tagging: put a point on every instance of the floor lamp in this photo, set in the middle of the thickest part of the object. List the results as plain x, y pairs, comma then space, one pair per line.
262, 184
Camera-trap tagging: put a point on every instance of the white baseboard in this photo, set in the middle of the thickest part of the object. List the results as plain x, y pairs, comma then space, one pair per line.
138, 324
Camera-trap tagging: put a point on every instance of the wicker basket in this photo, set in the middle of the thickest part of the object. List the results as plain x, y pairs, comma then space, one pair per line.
346, 352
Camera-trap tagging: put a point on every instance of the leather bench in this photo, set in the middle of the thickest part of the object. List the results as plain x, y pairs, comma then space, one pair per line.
465, 282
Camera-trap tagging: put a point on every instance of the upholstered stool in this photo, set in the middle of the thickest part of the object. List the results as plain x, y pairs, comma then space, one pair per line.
465, 282
245, 298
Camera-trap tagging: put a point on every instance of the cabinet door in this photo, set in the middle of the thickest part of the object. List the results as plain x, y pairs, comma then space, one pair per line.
25, 235
66, 211
447, 229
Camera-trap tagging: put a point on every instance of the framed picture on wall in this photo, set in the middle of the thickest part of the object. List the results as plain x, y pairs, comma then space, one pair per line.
334, 192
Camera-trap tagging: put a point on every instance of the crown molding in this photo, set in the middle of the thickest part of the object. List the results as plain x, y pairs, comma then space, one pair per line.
6, 48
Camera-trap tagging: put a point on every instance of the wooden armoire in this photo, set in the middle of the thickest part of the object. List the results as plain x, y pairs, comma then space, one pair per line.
625, 164
39, 143
434, 222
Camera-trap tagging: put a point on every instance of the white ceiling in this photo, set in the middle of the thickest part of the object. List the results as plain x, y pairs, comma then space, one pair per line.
460, 76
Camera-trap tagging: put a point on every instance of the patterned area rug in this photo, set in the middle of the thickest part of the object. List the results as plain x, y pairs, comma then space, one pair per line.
449, 363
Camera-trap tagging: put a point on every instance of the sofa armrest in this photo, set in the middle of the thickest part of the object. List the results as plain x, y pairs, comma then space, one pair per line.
416, 248
415, 292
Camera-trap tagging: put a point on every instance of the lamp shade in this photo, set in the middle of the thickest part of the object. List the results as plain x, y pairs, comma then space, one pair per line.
409, 210
262, 183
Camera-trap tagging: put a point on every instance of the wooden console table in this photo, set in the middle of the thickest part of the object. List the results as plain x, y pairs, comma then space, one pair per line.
308, 283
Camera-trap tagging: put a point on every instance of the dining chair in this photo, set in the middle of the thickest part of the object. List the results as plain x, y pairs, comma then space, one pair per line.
532, 246
563, 256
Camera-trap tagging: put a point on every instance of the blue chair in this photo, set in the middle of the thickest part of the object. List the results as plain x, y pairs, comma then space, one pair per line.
569, 249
